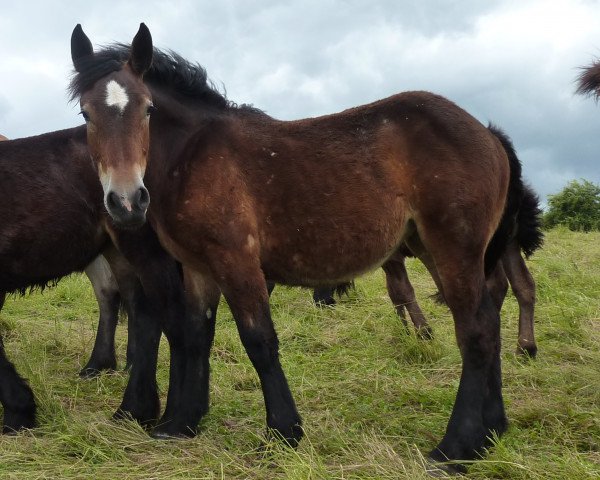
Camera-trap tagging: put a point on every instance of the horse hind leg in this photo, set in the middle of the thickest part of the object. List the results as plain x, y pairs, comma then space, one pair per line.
402, 295
523, 286
105, 288
497, 284
478, 410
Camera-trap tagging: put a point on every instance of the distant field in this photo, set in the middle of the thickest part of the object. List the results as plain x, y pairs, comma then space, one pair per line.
373, 399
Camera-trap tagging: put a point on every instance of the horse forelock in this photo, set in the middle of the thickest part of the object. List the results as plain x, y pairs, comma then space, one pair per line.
94, 67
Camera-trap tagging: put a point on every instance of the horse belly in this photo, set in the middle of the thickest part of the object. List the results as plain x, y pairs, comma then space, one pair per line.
330, 252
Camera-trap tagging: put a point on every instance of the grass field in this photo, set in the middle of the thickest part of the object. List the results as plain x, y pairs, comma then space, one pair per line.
374, 400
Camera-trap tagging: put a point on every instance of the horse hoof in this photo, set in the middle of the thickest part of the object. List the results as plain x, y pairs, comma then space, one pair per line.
289, 437
124, 415
438, 469
121, 415
89, 373
527, 351
425, 332
13, 424
172, 434
94, 369
325, 302
166, 436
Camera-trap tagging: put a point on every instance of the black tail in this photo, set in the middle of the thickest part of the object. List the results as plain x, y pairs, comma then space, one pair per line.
522, 214
529, 223
509, 224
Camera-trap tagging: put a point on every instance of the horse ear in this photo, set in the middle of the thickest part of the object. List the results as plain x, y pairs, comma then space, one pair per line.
141, 51
81, 46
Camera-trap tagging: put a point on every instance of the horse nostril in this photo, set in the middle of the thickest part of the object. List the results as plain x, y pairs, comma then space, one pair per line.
112, 201
142, 198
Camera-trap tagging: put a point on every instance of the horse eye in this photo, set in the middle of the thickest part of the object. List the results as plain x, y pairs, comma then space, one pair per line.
150, 109
85, 115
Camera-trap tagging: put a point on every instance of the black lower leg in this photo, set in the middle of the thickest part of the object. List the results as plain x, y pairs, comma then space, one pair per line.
140, 400
103, 355
16, 397
188, 397
262, 347
494, 415
478, 408
131, 342
324, 296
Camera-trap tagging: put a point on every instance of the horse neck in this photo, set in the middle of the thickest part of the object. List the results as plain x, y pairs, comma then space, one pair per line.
172, 125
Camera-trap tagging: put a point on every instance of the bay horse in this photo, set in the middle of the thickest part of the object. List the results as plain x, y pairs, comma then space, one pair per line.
238, 198
52, 223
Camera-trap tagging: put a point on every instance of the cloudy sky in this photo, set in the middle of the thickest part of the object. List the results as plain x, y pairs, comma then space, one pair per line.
513, 62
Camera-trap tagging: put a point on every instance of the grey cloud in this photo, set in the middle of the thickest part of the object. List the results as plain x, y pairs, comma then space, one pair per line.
313, 57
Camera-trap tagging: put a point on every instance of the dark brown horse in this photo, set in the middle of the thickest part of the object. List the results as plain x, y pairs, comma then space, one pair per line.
238, 198
53, 222
106, 290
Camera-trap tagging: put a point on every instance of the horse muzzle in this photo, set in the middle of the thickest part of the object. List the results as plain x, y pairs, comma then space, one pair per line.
128, 210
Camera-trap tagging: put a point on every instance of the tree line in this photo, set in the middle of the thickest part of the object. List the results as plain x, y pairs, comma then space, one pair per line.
576, 207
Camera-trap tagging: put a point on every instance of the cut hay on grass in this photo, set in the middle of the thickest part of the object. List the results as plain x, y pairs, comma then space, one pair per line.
374, 400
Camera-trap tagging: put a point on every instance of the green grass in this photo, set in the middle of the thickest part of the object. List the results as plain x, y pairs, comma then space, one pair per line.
373, 399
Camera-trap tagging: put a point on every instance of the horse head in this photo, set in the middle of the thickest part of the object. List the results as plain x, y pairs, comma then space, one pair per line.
116, 106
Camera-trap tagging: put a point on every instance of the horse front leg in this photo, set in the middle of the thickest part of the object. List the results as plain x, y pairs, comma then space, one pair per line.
16, 396
140, 399
159, 306
243, 285
188, 397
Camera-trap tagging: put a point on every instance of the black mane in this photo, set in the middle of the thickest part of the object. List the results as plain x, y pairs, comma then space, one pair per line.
168, 70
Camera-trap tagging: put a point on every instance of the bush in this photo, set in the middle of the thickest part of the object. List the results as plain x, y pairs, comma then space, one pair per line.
577, 207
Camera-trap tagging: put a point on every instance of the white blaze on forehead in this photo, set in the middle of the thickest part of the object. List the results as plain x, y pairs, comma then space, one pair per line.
116, 96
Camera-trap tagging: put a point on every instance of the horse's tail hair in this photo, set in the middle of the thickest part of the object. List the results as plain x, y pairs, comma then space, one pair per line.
508, 227
589, 80
529, 223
